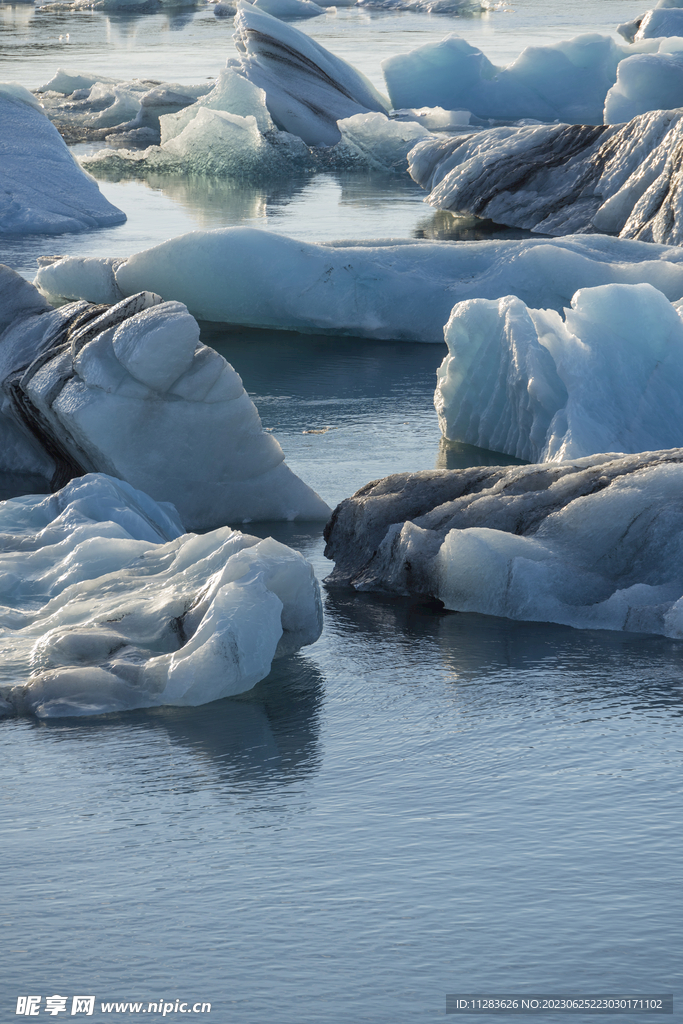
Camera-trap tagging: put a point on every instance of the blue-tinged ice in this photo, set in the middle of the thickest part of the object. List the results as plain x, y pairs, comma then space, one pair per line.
42, 188
395, 289
606, 376
106, 604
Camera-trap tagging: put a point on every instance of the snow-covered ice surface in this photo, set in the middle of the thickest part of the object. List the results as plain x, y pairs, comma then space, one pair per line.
107, 605
128, 389
596, 543
554, 179
308, 89
42, 188
605, 377
401, 291
565, 81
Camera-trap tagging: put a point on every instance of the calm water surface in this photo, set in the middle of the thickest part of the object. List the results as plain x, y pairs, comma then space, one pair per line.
420, 803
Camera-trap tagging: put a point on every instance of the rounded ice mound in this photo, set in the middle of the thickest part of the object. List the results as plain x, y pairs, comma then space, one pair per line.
107, 605
605, 378
595, 543
130, 390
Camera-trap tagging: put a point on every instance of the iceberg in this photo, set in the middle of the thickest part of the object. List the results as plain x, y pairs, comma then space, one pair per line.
128, 389
106, 604
645, 81
428, 6
395, 290
605, 377
289, 10
42, 188
565, 81
554, 179
307, 88
595, 543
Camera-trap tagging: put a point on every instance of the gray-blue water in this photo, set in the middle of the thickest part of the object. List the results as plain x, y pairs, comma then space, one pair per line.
422, 802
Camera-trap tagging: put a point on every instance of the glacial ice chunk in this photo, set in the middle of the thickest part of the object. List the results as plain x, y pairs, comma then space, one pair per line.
555, 179
289, 10
607, 377
106, 604
595, 543
400, 290
307, 88
42, 188
565, 81
657, 23
129, 389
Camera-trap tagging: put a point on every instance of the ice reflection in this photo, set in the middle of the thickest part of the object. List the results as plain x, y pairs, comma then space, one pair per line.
444, 226
458, 455
267, 736
494, 662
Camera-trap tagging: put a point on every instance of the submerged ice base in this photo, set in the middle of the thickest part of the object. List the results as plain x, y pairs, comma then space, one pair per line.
107, 605
596, 543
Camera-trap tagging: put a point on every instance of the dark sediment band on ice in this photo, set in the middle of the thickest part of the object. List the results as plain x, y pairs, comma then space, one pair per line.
595, 543
555, 179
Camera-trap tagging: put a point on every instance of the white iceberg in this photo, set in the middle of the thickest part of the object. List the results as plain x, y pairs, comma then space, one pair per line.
565, 81
428, 6
42, 188
596, 543
307, 88
555, 179
403, 290
107, 605
663, 21
646, 81
289, 10
128, 389
606, 377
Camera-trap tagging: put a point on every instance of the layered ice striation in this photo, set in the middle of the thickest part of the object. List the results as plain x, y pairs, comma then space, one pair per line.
393, 290
90, 107
596, 543
128, 389
554, 179
307, 88
106, 604
607, 376
42, 188
565, 81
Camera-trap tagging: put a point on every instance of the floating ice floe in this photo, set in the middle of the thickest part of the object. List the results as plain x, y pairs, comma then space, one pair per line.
42, 188
106, 604
307, 88
88, 107
429, 6
289, 10
403, 290
623, 179
128, 389
596, 543
605, 378
565, 81
646, 81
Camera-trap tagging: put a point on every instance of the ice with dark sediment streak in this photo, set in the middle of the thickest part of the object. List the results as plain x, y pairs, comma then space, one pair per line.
42, 188
106, 604
308, 89
595, 543
605, 376
622, 179
566, 81
396, 289
128, 389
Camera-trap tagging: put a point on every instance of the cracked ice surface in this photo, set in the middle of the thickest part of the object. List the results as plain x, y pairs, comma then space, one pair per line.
596, 543
107, 605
